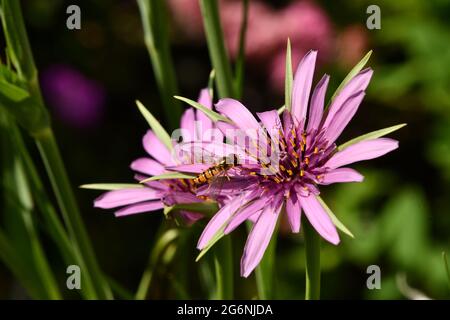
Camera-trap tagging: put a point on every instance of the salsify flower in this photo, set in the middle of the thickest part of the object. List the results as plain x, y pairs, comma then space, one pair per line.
155, 195
308, 158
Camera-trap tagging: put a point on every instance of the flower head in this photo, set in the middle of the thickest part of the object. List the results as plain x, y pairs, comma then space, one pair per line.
307, 158
155, 195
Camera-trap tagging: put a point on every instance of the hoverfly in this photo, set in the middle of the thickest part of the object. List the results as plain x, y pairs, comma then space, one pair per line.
216, 171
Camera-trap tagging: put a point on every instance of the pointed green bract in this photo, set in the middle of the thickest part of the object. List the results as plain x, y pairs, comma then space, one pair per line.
12, 92
214, 116
356, 69
334, 219
289, 78
212, 77
170, 175
157, 128
281, 110
372, 135
219, 235
111, 186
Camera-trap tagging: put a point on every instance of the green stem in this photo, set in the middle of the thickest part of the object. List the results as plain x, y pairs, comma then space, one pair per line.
223, 263
156, 37
69, 208
53, 224
21, 55
217, 50
312, 247
240, 62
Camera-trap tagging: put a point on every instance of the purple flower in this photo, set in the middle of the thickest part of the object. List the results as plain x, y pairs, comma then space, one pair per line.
156, 195
77, 100
308, 158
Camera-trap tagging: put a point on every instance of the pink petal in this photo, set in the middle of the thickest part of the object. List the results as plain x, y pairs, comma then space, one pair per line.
272, 122
363, 150
147, 166
319, 218
317, 104
301, 87
116, 198
140, 207
190, 217
238, 113
244, 213
358, 83
218, 221
178, 197
258, 240
343, 117
188, 125
204, 122
341, 175
157, 149
294, 212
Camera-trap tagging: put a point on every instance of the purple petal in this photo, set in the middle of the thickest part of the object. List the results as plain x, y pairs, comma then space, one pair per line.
116, 198
140, 207
244, 213
219, 220
258, 240
178, 197
238, 113
188, 125
294, 212
343, 117
341, 175
157, 149
358, 83
301, 87
190, 217
319, 218
363, 150
204, 122
147, 166
317, 104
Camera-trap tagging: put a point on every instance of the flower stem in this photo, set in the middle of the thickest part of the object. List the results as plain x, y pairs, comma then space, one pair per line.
66, 199
156, 36
217, 51
224, 269
312, 247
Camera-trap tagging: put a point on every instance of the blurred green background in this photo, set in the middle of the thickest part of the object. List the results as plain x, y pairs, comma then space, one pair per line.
400, 214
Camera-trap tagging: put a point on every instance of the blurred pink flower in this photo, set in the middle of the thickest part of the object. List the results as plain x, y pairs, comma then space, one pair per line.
76, 99
352, 44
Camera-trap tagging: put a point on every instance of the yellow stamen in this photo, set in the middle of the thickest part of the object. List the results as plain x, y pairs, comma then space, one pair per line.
302, 173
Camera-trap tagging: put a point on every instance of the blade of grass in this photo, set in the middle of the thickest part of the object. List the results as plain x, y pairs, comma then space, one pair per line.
216, 47
240, 62
19, 48
154, 21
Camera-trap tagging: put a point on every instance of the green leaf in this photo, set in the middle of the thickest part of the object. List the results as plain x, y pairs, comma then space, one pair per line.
110, 186
281, 110
240, 61
289, 78
334, 219
159, 131
170, 175
372, 135
12, 91
214, 116
357, 68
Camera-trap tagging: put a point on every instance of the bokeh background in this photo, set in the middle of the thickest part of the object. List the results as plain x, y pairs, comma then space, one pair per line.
400, 214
